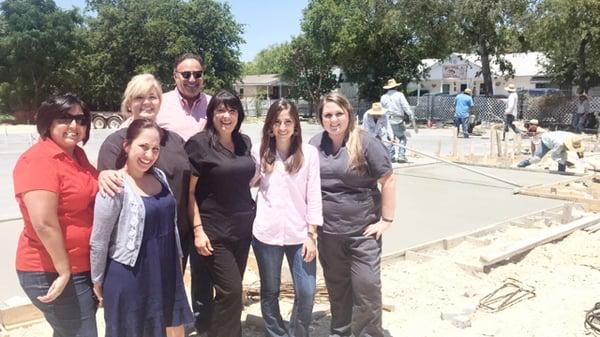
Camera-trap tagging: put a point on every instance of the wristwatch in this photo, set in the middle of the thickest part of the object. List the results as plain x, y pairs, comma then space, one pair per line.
387, 220
313, 235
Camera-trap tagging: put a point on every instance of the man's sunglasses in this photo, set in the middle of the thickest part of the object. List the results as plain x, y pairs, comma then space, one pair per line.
68, 119
188, 74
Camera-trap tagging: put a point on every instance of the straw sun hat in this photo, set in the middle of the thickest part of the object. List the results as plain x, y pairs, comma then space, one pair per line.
376, 110
391, 84
574, 143
510, 88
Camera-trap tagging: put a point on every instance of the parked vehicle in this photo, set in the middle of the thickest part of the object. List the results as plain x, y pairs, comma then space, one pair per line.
103, 119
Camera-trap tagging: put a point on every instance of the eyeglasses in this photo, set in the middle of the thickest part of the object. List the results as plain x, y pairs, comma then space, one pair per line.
188, 74
68, 119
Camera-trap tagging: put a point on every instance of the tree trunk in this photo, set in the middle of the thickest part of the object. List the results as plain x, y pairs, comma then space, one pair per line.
488, 84
582, 79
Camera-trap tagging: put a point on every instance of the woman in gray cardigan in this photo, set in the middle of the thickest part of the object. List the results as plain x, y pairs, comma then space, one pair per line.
135, 249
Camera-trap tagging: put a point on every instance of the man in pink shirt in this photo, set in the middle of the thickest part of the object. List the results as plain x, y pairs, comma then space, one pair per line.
183, 110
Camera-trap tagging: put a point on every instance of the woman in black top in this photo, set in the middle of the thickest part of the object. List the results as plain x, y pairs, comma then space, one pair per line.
221, 208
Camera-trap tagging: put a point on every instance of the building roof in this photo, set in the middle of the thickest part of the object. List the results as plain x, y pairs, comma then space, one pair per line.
525, 64
267, 79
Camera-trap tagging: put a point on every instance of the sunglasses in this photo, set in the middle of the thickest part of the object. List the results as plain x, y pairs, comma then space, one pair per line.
188, 74
68, 119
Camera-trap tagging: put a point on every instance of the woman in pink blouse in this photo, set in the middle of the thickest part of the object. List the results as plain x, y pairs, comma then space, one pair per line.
288, 212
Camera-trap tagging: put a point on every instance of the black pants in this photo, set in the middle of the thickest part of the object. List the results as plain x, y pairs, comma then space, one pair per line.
202, 292
226, 266
508, 122
352, 269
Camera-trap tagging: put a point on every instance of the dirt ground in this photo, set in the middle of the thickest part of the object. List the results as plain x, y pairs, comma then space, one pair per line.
565, 276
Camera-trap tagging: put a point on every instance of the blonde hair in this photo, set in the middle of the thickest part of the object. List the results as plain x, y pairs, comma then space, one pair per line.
353, 135
139, 85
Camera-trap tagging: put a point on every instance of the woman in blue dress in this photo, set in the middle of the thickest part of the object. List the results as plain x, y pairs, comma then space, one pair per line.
135, 250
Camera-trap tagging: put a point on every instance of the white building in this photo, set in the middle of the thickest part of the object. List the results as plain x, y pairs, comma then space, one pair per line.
460, 71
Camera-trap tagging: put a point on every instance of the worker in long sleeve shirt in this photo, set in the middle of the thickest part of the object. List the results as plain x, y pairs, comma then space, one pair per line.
512, 105
397, 105
558, 143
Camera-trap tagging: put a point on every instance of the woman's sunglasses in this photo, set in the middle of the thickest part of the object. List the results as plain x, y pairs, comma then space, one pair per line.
188, 74
68, 119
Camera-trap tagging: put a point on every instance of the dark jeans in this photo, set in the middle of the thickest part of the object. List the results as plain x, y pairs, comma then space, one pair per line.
73, 313
269, 259
399, 130
227, 265
352, 270
508, 123
464, 122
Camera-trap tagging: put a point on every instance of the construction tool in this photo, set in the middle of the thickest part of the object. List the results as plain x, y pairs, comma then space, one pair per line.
461, 166
510, 293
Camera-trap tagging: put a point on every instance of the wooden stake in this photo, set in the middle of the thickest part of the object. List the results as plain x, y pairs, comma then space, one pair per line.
454, 145
439, 148
498, 144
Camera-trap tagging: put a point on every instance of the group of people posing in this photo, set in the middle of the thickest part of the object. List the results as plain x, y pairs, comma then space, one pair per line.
174, 184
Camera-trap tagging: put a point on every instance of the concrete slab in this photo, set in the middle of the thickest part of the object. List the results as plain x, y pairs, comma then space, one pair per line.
439, 200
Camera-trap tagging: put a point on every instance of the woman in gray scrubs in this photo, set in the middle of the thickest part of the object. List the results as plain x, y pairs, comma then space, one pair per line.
355, 213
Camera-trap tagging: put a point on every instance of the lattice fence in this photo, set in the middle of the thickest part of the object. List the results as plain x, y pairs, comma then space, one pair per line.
549, 110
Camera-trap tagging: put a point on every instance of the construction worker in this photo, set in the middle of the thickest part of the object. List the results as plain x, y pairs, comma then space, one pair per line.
462, 106
377, 124
399, 112
558, 143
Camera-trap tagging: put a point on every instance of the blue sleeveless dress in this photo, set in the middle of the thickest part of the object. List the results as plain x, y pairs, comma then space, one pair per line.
143, 300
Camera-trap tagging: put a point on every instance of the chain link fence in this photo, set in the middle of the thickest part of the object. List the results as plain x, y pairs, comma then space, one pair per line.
550, 111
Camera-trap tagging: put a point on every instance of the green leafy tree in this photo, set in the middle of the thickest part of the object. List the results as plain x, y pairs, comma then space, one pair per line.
38, 44
374, 40
310, 71
490, 28
268, 61
128, 37
568, 32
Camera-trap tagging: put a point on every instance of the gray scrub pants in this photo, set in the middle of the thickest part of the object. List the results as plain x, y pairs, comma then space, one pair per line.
352, 269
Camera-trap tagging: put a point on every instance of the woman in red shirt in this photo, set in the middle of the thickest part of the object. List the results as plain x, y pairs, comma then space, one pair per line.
55, 186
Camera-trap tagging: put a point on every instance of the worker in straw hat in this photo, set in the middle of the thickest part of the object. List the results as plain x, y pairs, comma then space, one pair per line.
377, 124
511, 111
558, 143
399, 113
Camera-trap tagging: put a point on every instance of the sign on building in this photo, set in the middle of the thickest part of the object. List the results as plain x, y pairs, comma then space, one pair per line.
454, 71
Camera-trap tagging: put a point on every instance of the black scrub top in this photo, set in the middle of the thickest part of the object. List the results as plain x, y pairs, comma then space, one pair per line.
172, 160
222, 193
351, 200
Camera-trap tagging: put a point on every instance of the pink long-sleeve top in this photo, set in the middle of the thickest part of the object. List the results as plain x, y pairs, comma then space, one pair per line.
288, 203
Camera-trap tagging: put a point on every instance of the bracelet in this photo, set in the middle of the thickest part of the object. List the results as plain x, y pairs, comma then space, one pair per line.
386, 220
313, 235
196, 226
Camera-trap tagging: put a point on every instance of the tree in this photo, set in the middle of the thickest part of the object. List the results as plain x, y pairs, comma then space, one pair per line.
568, 32
268, 61
372, 40
490, 28
128, 37
310, 70
38, 42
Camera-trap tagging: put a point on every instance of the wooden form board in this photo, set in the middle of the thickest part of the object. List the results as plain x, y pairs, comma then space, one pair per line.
546, 236
565, 191
454, 240
16, 316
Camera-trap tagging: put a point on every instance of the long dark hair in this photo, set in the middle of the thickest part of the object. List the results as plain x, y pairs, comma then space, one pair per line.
230, 101
56, 107
133, 131
268, 146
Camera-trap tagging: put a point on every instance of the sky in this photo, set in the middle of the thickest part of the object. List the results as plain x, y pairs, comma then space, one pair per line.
266, 22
